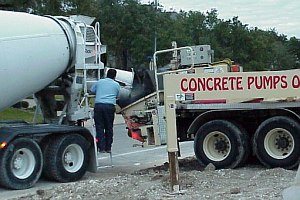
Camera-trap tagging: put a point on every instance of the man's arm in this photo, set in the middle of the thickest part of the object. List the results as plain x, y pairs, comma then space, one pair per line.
118, 95
93, 88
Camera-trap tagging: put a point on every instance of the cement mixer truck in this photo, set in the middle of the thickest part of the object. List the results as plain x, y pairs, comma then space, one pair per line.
230, 114
49, 57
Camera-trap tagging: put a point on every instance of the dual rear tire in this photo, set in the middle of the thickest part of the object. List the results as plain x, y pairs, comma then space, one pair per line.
222, 143
20, 164
64, 159
276, 143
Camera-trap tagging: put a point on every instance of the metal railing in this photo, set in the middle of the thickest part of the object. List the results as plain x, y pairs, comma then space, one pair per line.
169, 72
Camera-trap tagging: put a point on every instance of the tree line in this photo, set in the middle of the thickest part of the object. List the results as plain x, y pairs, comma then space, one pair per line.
129, 28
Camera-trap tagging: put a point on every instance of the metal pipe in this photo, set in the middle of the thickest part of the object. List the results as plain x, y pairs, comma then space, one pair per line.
175, 71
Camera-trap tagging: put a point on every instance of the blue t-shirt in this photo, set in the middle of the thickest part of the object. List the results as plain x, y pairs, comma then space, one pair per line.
107, 90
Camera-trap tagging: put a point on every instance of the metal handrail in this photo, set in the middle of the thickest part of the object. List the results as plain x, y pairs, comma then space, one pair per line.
97, 46
169, 72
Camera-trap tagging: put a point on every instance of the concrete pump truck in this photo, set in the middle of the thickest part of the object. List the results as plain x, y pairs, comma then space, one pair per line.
230, 114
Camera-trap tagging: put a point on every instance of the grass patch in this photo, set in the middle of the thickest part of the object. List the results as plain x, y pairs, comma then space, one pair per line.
18, 114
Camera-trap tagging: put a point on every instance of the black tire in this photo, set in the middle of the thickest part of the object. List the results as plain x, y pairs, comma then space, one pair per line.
44, 144
21, 164
221, 143
276, 142
246, 144
66, 158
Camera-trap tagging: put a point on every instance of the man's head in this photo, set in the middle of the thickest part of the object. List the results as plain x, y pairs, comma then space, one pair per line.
111, 73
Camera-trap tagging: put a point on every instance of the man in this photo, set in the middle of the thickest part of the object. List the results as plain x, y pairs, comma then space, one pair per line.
107, 90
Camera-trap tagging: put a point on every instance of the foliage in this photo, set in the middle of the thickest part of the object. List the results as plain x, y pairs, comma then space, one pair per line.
18, 114
129, 29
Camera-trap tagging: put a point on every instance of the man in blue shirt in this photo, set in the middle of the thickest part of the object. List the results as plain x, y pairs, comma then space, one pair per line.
107, 90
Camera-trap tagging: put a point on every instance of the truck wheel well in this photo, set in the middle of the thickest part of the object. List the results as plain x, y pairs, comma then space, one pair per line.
243, 117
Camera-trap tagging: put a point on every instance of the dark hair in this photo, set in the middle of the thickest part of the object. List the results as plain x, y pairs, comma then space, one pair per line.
111, 73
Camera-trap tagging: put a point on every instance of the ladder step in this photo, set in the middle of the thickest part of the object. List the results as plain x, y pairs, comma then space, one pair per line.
90, 83
90, 66
91, 95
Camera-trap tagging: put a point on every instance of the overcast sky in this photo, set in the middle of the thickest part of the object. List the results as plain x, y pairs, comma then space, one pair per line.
283, 15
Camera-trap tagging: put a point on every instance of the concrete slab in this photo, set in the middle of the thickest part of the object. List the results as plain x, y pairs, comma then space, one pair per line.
119, 119
291, 193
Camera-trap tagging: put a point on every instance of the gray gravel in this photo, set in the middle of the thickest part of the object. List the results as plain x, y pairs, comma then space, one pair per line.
249, 182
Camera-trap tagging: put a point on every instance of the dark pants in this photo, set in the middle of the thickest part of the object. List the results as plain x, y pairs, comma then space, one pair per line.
104, 115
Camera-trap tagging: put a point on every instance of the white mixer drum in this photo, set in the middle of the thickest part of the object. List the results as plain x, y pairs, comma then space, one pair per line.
34, 51
125, 78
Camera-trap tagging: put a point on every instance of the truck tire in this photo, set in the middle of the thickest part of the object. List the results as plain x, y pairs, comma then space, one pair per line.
44, 144
221, 143
66, 158
276, 142
21, 164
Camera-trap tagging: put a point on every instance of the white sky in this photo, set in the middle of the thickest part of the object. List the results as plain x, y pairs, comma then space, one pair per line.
283, 15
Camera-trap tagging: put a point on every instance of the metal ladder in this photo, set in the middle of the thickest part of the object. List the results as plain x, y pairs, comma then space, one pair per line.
91, 71
88, 68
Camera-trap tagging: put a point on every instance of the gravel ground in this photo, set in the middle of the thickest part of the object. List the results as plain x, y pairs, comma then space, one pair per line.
249, 182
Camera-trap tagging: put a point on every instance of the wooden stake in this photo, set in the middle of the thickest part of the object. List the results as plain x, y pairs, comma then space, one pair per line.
174, 171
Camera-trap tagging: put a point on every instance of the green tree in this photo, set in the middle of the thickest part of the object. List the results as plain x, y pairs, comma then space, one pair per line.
128, 28
29, 6
294, 50
282, 59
